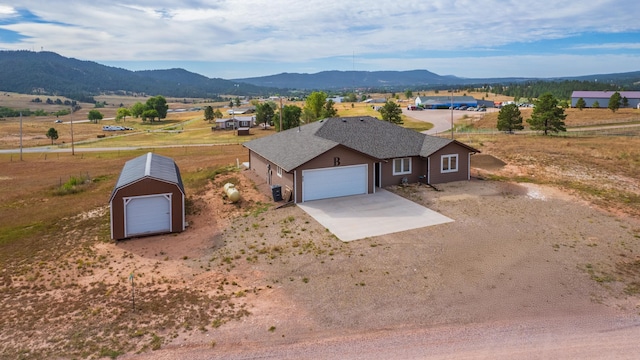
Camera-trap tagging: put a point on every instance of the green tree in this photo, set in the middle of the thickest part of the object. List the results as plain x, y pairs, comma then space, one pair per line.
122, 113
625, 102
351, 97
237, 100
149, 114
137, 109
408, 94
581, 104
614, 102
290, 117
315, 102
391, 112
547, 115
159, 104
595, 104
265, 113
217, 114
328, 111
94, 116
208, 113
52, 134
509, 118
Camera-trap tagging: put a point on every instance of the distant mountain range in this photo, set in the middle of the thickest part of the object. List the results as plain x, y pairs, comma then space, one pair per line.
51, 74
334, 80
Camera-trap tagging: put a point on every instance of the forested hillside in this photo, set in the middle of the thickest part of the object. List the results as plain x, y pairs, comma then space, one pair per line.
48, 73
560, 89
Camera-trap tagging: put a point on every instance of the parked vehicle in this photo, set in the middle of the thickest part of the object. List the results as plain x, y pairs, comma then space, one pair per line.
58, 121
112, 128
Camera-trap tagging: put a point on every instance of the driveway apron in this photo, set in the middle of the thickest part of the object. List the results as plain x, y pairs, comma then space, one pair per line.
361, 216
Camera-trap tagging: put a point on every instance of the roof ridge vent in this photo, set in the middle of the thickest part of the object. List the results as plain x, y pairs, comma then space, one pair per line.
147, 166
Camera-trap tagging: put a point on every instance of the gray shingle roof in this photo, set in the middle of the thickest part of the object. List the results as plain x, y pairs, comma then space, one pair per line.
368, 135
149, 165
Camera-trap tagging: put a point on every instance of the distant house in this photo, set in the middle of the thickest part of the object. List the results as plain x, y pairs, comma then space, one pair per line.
602, 97
444, 102
238, 122
245, 121
355, 155
222, 124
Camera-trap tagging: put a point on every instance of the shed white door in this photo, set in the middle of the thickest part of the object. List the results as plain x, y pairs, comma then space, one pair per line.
147, 214
334, 182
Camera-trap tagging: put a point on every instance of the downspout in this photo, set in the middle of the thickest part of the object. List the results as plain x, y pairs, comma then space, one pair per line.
429, 170
468, 166
374, 179
295, 186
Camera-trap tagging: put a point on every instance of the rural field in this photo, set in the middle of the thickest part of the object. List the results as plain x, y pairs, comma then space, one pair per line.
542, 258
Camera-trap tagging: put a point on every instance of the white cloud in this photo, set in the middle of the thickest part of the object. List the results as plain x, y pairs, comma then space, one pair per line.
6, 11
279, 31
610, 46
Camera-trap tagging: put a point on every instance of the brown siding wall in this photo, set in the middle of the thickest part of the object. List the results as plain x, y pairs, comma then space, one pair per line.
346, 157
418, 168
437, 177
146, 187
258, 164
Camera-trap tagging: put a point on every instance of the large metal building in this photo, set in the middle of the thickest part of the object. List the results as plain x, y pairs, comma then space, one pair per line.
444, 102
148, 198
602, 97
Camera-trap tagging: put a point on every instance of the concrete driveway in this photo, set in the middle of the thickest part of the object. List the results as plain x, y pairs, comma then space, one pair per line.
361, 216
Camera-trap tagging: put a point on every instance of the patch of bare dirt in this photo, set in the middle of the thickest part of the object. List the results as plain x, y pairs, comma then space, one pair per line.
249, 280
515, 254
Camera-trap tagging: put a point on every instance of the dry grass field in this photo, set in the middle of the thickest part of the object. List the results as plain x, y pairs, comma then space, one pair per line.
64, 290
575, 117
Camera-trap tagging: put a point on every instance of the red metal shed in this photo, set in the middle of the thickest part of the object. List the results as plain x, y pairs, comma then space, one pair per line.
148, 198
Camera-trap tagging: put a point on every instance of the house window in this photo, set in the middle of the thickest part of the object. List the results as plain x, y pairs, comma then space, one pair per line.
279, 171
449, 163
402, 166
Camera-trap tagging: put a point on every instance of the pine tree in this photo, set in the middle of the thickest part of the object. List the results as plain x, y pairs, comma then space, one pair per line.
547, 115
509, 118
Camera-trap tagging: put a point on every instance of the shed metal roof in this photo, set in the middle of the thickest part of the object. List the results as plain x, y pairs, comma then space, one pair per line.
149, 165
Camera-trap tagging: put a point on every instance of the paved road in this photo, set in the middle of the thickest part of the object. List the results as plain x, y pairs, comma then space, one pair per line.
441, 119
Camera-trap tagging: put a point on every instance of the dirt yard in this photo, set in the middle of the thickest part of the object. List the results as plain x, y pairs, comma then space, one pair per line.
248, 280
525, 271
519, 259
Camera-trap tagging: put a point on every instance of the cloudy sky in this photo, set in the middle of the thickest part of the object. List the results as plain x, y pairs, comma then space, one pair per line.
246, 38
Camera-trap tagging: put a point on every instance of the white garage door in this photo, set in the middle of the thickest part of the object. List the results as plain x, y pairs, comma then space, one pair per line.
147, 214
334, 182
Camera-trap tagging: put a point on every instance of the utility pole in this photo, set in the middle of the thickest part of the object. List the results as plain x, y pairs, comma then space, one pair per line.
20, 135
451, 114
280, 114
73, 151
